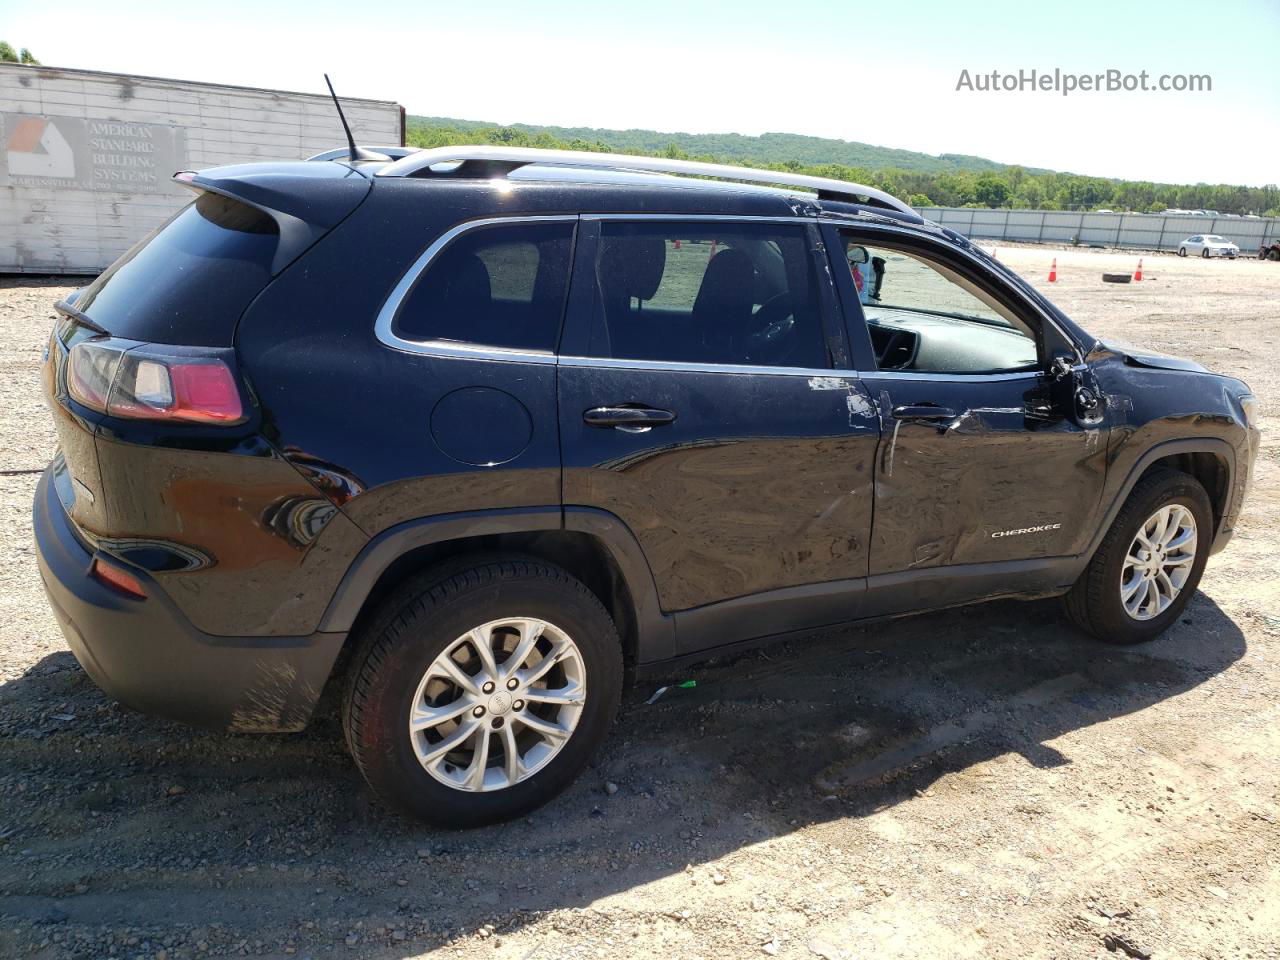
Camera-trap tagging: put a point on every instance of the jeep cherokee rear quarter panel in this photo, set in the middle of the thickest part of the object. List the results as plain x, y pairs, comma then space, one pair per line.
224, 539
221, 522
365, 417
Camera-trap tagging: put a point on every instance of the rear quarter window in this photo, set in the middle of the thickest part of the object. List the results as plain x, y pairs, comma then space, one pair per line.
190, 280
499, 286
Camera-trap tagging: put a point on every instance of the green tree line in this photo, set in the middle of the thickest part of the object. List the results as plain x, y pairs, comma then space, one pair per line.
983, 185
9, 55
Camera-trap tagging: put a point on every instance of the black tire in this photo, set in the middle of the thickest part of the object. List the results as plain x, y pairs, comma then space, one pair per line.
1182, 251
1273, 255
414, 625
1205, 253
1094, 604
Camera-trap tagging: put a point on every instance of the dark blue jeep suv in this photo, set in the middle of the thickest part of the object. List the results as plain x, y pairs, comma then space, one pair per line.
506, 426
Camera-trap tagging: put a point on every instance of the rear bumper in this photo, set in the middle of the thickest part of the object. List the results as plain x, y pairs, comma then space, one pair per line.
147, 655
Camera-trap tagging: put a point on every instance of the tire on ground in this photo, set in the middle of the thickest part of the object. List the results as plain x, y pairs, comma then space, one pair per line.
414, 624
1094, 603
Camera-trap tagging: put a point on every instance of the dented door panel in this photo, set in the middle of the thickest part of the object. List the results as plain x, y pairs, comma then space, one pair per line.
991, 483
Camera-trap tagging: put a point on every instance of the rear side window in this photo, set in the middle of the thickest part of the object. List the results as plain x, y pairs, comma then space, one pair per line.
500, 286
189, 281
711, 293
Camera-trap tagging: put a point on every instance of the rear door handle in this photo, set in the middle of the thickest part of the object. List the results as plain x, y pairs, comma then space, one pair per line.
630, 419
923, 411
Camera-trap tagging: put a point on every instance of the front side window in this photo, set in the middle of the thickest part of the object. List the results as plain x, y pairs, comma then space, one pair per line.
499, 286
716, 293
924, 316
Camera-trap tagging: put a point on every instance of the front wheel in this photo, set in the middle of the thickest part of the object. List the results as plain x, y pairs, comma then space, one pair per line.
1149, 563
1182, 251
477, 696
1205, 253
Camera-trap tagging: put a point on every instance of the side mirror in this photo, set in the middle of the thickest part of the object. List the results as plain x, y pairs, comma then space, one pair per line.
1060, 368
857, 254
1073, 392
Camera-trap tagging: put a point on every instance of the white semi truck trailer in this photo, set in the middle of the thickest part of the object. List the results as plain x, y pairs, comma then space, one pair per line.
88, 157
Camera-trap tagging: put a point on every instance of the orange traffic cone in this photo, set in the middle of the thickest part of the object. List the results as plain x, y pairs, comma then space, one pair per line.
1137, 274
1053, 271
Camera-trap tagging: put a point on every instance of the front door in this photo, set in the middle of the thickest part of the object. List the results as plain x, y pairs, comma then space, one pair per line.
700, 405
981, 461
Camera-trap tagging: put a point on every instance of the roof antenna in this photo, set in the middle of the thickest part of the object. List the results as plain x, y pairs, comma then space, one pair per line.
356, 153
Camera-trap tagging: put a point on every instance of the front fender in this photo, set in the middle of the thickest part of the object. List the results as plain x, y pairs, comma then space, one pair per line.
1160, 451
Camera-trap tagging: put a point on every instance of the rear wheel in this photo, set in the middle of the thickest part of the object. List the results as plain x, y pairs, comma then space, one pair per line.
1149, 564
478, 695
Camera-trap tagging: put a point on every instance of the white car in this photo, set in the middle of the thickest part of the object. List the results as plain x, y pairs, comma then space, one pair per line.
1208, 245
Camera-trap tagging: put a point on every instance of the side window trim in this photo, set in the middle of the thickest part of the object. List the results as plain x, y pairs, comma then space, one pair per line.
862, 352
856, 323
581, 317
384, 325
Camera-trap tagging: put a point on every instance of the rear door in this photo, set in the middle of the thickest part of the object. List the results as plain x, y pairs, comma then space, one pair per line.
981, 461
706, 401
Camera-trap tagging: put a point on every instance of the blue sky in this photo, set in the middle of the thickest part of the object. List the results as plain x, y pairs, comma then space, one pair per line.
883, 73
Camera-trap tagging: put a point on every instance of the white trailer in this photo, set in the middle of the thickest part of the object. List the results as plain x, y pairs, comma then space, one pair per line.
88, 157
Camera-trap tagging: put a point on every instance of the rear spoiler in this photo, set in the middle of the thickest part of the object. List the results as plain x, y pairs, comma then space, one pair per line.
302, 216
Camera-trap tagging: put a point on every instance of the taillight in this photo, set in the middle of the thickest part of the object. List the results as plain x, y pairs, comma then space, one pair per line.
91, 368
149, 382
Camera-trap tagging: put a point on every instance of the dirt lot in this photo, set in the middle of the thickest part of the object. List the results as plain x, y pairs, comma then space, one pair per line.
982, 782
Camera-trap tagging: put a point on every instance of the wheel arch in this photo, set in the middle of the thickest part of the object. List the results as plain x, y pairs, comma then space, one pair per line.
1212, 461
592, 545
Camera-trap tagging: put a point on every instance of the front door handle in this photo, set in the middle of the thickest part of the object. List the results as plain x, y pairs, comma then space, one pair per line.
923, 411
630, 419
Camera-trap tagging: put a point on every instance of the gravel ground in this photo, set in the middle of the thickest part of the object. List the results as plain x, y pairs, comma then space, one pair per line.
982, 782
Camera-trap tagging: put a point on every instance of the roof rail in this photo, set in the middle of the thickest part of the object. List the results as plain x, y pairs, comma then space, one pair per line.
492, 160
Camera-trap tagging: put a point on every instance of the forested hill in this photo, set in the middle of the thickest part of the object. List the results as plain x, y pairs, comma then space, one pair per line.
948, 180
769, 148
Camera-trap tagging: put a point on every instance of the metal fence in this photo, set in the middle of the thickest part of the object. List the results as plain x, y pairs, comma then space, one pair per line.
1143, 231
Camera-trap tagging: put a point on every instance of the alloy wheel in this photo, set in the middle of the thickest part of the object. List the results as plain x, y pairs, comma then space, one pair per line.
498, 704
1159, 562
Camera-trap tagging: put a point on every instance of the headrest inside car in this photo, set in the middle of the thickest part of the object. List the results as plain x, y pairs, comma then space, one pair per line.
637, 262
